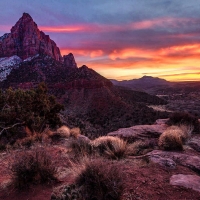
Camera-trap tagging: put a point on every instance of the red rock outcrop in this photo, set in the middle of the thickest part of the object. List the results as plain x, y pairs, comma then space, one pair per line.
69, 61
26, 40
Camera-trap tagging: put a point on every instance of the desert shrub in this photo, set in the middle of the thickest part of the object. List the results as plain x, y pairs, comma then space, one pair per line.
187, 119
80, 148
2, 147
69, 192
31, 139
32, 167
111, 147
33, 108
100, 180
172, 139
140, 147
75, 132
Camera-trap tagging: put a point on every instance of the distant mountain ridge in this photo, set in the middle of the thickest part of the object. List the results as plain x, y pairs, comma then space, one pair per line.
145, 83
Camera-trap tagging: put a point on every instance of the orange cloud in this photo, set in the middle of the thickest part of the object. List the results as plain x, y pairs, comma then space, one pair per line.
145, 24
131, 53
96, 53
83, 28
158, 22
132, 62
189, 49
61, 28
83, 52
165, 55
182, 77
176, 63
78, 52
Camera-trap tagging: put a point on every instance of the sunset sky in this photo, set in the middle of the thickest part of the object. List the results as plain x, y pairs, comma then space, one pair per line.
120, 39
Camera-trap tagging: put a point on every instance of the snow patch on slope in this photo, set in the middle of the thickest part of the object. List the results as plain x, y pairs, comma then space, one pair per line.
7, 64
30, 58
4, 36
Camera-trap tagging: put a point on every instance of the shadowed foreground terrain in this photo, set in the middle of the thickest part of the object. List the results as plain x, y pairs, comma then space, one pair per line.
144, 170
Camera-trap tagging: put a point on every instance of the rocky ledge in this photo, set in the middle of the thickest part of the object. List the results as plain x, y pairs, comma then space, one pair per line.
142, 132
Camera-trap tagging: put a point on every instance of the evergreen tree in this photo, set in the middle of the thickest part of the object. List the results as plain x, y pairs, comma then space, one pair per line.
33, 108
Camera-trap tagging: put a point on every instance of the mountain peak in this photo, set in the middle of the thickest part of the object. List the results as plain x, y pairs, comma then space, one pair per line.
26, 16
24, 23
147, 77
151, 78
26, 40
84, 67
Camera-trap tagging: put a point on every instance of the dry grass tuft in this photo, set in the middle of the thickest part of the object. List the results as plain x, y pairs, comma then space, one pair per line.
172, 139
80, 148
179, 118
75, 132
99, 179
111, 147
63, 131
32, 167
34, 138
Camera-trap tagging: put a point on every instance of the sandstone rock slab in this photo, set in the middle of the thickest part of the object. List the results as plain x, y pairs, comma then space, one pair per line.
187, 181
181, 158
195, 143
165, 162
140, 131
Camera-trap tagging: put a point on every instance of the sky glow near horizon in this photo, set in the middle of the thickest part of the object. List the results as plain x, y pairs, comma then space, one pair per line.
120, 39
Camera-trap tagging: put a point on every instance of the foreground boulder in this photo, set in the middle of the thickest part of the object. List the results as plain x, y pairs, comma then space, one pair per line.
141, 131
165, 162
194, 142
185, 159
187, 181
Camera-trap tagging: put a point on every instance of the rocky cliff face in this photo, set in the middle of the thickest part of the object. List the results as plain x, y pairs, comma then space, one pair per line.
26, 40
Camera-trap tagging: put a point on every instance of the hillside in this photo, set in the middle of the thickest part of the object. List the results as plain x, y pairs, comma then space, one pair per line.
91, 101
